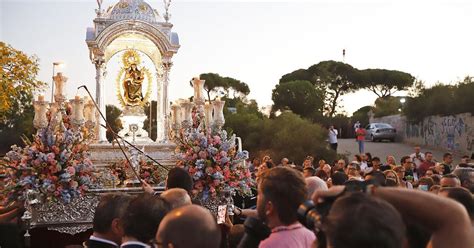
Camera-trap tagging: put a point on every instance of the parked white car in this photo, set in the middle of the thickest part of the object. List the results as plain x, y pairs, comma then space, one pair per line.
380, 131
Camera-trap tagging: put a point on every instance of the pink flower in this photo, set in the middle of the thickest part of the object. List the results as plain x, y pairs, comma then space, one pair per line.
74, 184
55, 149
52, 169
84, 188
36, 162
209, 170
203, 154
217, 140
50, 156
212, 189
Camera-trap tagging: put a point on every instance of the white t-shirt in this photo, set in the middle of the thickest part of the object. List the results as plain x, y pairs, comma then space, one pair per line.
417, 161
356, 125
364, 167
332, 136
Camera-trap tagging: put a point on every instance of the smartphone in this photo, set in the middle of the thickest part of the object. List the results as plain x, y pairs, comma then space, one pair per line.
221, 212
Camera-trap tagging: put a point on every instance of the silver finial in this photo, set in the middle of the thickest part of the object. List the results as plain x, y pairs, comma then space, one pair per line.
99, 10
167, 15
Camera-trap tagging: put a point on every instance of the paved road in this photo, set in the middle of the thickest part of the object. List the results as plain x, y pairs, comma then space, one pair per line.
383, 149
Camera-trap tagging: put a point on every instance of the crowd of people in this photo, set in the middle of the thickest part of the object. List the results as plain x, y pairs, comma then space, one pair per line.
365, 202
398, 206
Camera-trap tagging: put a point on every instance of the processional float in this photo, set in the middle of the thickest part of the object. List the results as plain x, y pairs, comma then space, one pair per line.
73, 161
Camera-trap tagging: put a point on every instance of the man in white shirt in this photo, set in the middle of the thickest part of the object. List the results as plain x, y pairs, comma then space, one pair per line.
418, 157
364, 167
333, 138
356, 125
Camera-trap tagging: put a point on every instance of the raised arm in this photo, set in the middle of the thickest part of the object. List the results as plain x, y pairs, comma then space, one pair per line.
446, 219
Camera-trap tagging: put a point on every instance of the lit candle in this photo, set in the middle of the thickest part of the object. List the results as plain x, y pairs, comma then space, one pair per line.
41, 98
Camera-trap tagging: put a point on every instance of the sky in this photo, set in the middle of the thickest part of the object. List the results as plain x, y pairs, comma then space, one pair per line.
259, 41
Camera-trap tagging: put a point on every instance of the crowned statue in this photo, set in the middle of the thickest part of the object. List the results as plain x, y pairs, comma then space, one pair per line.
132, 85
133, 78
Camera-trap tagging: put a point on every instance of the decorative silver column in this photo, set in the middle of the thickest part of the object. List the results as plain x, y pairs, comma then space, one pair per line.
167, 64
99, 63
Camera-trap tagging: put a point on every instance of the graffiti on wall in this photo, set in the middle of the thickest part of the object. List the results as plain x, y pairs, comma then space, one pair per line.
452, 127
454, 133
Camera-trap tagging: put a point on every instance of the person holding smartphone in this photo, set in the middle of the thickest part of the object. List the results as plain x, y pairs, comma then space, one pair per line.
417, 157
333, 138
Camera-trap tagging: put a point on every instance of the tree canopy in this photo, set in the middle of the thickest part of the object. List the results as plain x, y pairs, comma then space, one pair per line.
383, 82
441, 100
217, 84
336, 79
388, 105
301, 97
331, 77
17, 82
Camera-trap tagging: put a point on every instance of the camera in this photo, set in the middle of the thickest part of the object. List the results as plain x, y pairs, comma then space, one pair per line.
255, 231
312, 215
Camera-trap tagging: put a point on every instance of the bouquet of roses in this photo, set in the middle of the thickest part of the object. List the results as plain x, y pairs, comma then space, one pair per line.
212, 160
55, 164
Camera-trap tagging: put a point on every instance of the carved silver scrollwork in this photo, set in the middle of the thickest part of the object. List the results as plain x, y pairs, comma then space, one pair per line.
71, 218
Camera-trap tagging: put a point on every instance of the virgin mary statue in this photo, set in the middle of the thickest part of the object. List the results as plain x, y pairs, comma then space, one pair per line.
132, 85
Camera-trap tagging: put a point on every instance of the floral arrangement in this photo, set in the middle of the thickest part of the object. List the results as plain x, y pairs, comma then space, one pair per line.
212, 160
55, 163
150, 173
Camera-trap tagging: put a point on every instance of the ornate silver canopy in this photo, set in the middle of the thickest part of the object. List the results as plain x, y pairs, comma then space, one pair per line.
133, 24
